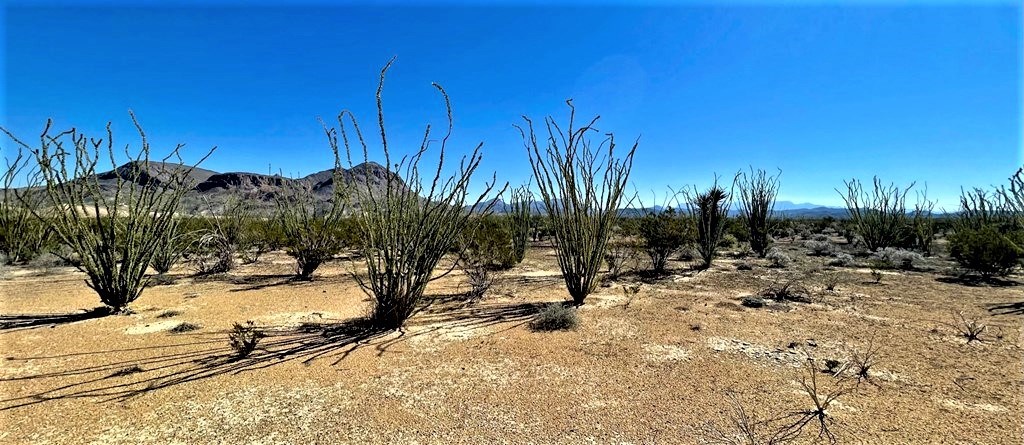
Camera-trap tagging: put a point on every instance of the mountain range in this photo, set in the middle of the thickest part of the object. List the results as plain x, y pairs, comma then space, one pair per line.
211, 189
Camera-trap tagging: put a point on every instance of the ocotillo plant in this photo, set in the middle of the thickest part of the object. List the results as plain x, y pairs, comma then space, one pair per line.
709, 210
114, 233
880, 215
923, 222
22, 235
521, 203
310, 230
170, 248
412, 222
582, 190
757, 204
1013, 197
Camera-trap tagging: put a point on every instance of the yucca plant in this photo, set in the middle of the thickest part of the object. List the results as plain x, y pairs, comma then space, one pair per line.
519, 219
22, 235
879, 215
310, 228
582, 190
757, 205
114, 229
409, 224
710, 212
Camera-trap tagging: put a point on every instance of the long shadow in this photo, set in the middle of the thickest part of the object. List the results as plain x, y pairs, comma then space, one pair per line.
1007, 308
977, 281
18, 322
119, 379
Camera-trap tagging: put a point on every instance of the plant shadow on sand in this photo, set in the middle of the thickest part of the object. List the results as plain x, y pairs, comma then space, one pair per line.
18, 322
161, 367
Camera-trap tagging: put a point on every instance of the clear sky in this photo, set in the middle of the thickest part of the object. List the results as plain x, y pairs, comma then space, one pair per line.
823, 91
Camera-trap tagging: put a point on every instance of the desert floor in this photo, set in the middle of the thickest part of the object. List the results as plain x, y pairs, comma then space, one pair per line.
654, 369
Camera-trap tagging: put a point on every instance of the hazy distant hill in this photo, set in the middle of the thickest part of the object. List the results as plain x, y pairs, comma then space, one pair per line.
786, 209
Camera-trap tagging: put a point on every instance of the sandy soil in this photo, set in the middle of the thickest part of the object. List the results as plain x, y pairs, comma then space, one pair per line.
653, 369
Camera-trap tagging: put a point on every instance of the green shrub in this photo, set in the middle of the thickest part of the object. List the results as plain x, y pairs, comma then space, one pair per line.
244, 338
555, 317
488, 240
986, 250
663, 233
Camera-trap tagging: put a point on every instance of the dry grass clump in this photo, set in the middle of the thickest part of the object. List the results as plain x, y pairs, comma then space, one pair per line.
970, 329
784, 289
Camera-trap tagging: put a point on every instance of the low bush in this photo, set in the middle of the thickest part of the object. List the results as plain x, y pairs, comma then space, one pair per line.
778, 258
986, 250
663, 234
894, 258
185, 327
841, 259
555, 317
819, 248
244, 338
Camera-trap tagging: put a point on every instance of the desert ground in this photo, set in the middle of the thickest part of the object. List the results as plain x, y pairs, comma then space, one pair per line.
652, 369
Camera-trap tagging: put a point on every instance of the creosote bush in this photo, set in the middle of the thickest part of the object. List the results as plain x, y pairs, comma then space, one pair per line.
757, 204
582, 190
408, 226
988, 233
114, 234
555, 317
663, 234
486, 246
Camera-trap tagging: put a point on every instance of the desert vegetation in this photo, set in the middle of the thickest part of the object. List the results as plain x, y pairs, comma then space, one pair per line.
582, 188
429, 303
113, 235
408, 228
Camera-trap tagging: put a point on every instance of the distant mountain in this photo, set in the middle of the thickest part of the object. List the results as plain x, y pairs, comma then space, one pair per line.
212, 190
786, 209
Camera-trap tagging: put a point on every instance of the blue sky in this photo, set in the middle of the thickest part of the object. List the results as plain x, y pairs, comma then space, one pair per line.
823, 91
